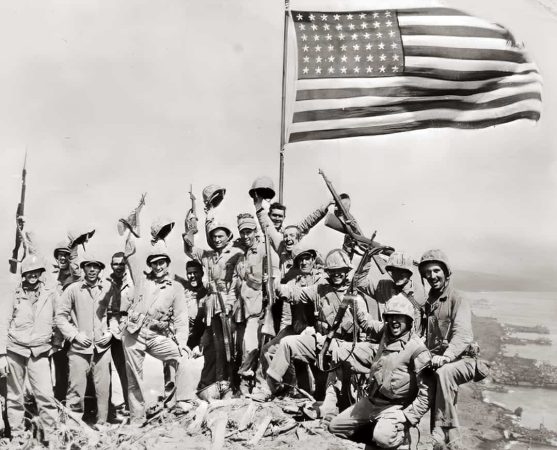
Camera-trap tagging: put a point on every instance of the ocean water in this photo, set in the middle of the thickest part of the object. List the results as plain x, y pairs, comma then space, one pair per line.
526, 309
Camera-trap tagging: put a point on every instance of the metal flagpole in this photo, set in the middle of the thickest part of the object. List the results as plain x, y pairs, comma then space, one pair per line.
283, 108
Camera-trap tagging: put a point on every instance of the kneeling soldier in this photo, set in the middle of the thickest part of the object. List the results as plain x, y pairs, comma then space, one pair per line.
25, 344
398, 396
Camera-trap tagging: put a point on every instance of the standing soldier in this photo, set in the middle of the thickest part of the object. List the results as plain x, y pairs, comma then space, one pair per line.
448, 333
157, 325
247, 287
218, 264
284, 239
66, 272
26, 340
120, 301
81, 316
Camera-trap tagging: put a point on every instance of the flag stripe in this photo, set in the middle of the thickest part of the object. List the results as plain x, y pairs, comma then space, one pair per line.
383, 98
436, 30
457, 42
428, 114
410, 126
324, 83
467, 21
373, 111
430, 12
465, 53
459, 75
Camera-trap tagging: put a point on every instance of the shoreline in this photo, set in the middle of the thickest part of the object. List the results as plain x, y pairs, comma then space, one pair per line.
505, 371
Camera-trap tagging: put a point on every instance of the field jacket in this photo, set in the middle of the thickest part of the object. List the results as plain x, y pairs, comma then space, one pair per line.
396, 374
28, 327
83, 309
448, 323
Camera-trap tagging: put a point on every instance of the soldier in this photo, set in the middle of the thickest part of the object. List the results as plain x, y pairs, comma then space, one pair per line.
218, 265
158, 325
26, 340
398, 396
284, 239
400, 268
296, 316
325, 300
448, 333
81, 316
120, 301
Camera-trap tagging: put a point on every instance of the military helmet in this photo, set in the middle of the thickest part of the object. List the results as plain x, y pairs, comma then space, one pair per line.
300, 250
61, 247
80, 235
399, 304
31, 263
161, 227
437, 256
89, 258
399, 260
264, 187
213, 195
337, 259
220, 226
157, 252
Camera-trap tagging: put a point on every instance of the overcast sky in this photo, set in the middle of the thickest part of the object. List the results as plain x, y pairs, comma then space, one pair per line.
112, 99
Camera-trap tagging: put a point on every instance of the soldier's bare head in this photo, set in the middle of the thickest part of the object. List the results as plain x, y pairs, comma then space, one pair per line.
291, 237
277, 213
118, 264
194, 273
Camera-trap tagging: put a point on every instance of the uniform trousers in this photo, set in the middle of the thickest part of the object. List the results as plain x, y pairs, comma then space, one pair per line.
214, 365
80, 366
162, 348
363, 422
119, 362
447, 379
37, 368
305, 347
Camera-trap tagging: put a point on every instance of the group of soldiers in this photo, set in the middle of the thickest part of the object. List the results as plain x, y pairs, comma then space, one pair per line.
271, 317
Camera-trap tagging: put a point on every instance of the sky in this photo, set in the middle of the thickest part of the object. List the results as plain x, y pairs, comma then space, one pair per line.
112, 99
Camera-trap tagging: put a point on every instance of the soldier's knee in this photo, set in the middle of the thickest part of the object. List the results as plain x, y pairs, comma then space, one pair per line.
388, 434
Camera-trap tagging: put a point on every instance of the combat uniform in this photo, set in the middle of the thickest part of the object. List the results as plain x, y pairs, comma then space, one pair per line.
27, 339
83, 308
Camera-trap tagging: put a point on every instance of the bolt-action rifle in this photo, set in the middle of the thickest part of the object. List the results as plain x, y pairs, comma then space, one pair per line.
14, 260
191, 216
268, 327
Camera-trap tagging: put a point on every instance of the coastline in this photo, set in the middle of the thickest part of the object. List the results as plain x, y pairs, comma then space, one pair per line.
490, 425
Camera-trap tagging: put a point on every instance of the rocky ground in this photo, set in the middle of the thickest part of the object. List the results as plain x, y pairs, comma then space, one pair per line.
242, 423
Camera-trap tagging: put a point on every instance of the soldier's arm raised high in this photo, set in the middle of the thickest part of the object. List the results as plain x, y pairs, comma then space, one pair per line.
306, 224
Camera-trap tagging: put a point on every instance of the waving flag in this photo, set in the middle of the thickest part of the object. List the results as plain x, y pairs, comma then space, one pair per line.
368, 72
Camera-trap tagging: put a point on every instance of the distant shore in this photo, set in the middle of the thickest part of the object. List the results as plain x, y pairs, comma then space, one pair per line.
499, 425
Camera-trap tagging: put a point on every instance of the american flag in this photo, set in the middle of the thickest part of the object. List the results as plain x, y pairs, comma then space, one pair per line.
370, 72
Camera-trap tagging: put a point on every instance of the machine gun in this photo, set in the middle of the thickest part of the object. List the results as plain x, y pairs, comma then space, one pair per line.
350, 227
14, 260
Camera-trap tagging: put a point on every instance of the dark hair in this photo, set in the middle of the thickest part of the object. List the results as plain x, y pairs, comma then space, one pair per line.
119, 255
277, 205
245, 216
344, 196
193, 264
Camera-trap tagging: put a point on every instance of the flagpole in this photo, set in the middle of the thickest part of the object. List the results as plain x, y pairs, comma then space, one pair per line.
283, 107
